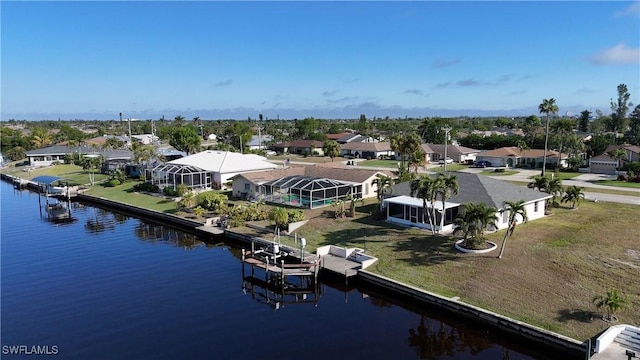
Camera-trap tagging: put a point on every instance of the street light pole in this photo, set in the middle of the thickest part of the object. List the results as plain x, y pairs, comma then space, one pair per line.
446, 130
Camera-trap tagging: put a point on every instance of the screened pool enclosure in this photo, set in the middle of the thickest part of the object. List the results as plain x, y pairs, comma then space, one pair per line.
308, 192
172, 175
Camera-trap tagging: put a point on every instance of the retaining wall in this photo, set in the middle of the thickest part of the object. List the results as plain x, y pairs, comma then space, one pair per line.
504, 323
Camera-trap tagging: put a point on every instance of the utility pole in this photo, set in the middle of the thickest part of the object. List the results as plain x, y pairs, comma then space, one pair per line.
446, 130
130, 139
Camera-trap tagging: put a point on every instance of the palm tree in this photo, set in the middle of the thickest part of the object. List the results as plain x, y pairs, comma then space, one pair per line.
91, 164
612, 302
279, 216
382, 183
352, 203
41, 139
417, 159
515, 209
547, 107
555, 188
473, 221
619, 154
424, 188
573, 194
539, 182
331, 149
446, 187
562, 128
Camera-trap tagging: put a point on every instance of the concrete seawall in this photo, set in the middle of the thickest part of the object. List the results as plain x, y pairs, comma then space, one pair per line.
568, 345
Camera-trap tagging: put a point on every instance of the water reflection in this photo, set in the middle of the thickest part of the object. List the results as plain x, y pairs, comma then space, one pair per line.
160, 234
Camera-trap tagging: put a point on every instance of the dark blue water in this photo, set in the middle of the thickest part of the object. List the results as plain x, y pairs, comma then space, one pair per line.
111, 287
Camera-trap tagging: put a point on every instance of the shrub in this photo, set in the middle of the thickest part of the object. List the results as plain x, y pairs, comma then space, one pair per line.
212, 201
295, 215
182, 189
146, 187
113, 182
622, 177
169, 191
499, 170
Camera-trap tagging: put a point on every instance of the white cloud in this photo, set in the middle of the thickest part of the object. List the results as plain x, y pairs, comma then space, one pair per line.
619, 54
633, 9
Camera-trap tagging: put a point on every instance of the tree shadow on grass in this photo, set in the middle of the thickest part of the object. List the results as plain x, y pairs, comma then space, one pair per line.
426, 249
575, 314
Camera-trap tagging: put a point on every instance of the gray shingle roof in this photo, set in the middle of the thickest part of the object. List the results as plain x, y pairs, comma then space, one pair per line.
479, 188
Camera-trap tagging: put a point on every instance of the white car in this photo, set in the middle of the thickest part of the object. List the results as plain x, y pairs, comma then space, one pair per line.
449, 161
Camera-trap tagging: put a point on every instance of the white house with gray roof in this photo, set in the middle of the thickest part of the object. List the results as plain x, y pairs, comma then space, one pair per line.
405, 209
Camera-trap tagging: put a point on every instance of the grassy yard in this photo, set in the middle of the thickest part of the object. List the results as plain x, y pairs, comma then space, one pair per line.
563, 175
380, 163
624, 184
551, 270
75, 174
587, 189
124, 193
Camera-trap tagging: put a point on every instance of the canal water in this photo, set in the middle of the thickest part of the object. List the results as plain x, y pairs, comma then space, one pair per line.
108, 286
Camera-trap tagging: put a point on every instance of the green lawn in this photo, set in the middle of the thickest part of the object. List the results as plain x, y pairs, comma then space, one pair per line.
588, 189
617, 183
490, 172
563, 175
450, 167
75, 174
380, 163
124, 193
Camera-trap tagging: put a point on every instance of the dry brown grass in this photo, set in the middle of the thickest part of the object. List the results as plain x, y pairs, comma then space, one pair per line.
550, 272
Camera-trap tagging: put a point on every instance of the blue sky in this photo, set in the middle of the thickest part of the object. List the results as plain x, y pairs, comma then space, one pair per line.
219, 60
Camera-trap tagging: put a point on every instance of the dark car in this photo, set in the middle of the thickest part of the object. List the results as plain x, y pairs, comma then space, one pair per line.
482, 163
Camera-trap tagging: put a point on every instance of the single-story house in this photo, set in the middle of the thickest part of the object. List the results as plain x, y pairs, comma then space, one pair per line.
207, 169
306, 186
458, 153
404, 209
351, 137
364, 150
56, 154
511, 156
48, 155
310, 147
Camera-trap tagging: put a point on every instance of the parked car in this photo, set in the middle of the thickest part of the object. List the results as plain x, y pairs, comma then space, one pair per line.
482, 163
449, 161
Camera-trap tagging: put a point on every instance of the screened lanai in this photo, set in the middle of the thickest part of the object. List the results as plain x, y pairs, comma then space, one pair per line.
173, 174
308, 192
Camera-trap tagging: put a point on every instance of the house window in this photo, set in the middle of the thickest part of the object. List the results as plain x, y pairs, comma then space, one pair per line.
535, 207
366, 189
247, 187
505, 217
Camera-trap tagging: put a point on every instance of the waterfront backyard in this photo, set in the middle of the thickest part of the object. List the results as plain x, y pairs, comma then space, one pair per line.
550, 272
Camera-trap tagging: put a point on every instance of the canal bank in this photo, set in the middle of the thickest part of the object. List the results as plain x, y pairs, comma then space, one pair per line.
566, 346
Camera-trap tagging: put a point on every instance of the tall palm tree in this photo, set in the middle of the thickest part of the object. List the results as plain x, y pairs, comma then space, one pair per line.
515, 209
424, 188
572, 195
91, 164
417, 159
547, 107
446, 187
383, 184
562, 128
